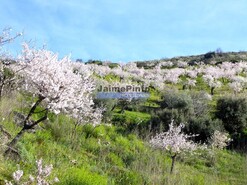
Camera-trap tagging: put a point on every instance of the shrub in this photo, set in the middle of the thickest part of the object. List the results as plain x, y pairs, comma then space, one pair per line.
232, 111
203, 126
162, 118
182, 102
200, 102
177, 106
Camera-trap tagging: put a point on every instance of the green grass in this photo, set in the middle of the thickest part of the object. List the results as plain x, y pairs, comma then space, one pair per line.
130, 118
141, 115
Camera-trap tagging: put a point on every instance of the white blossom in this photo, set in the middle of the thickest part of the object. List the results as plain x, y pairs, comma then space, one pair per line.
182, 64
191, 82
236, 86
66, 86
220, 139
17, 175
211, 81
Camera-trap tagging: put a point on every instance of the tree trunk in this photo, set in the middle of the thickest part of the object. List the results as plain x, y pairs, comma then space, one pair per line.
212, 90
184, 86
114, 106
173, 163
12, 144
122, 109
27, 126
1, 90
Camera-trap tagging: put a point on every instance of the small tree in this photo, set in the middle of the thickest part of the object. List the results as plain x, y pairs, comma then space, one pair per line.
220, 140
212, 83
174, 141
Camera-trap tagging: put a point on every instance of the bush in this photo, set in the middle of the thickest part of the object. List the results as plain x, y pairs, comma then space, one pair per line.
182, 102
177, 106
200, 103
162, 118
204, 126
232, 112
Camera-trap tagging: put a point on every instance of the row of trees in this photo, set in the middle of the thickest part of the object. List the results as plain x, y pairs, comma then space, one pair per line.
232, 74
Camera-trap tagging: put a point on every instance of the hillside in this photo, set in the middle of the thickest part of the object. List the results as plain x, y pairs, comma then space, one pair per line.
212, 57
107, 141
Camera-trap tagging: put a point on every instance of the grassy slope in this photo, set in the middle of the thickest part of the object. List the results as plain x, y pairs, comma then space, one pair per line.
105, 156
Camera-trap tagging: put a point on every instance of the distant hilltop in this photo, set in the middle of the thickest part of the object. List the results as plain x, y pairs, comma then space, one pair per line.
212, 57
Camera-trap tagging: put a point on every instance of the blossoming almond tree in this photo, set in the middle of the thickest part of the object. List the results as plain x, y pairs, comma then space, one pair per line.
174, 141
220, 139
63, 86
212, 82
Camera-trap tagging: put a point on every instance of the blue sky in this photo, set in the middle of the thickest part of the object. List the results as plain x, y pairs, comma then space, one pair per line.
127, 30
